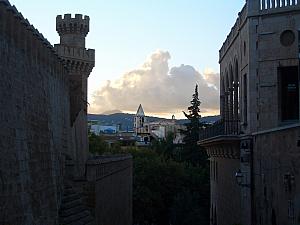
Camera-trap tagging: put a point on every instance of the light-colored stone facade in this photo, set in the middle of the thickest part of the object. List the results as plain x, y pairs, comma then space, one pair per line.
259, 101
45, 167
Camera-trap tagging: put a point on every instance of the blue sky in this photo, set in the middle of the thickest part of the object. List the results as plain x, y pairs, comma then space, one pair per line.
127, 32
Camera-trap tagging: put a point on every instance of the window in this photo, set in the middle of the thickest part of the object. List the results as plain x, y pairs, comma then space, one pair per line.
288, 93
287, 38
216, 171
245, 98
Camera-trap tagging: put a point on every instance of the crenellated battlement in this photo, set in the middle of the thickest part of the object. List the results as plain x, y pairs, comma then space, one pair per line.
69, 25
78, 60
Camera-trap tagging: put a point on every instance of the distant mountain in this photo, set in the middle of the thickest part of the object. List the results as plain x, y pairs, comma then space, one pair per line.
111, 112
125, 120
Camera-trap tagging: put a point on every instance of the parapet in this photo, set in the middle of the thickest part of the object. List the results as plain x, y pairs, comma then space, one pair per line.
87, 55
257, 8
234, 32
26, 25
69, 25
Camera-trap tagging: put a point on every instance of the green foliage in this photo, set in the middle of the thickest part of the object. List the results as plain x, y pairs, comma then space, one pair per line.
164, 147
187, 209
159, 185
190, 151
166, 189
97, 145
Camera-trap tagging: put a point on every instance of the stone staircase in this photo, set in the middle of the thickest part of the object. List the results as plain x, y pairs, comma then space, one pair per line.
73, 211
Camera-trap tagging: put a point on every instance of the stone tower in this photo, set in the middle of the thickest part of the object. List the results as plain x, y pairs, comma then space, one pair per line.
80, 62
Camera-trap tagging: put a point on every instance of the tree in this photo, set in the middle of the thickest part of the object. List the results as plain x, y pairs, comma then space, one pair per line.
194, 116
97, 145
190, 151
164, 147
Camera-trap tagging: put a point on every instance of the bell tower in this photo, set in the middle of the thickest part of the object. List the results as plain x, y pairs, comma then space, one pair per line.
139, 120
79, 62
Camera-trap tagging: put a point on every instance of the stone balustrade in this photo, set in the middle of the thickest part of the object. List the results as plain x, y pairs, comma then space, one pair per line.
275, 4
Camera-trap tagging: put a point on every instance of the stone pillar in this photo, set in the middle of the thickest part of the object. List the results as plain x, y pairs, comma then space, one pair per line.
231, 117
226, 111
80, 63
247, 184
253, 7
236, 106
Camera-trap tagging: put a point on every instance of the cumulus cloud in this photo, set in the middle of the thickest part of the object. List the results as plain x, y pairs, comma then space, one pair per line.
158, 88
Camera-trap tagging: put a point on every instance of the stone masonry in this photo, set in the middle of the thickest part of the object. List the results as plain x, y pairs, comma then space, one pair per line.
45, 166
254, 149
79, 62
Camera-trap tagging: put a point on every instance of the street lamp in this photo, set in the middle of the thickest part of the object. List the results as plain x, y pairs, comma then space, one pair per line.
239, 176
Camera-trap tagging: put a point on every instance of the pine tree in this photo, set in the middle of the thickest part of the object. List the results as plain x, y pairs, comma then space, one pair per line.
194, 116
191, 152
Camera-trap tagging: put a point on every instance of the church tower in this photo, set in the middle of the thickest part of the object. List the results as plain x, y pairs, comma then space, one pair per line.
139, 120
79, 62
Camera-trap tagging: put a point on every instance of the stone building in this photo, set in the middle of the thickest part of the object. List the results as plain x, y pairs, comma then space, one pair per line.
139, 120
145, 131
47, 176
254, 149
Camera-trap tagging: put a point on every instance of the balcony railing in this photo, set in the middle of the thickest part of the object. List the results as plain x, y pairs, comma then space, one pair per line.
275, 4
221, 127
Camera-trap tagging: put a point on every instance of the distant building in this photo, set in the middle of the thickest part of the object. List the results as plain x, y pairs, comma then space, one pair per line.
147, 131
104, 129
141, 127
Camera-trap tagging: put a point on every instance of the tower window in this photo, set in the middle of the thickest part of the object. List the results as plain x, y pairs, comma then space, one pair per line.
289, 93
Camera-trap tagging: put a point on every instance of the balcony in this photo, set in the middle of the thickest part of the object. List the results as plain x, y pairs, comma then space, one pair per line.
221, 139
220, 128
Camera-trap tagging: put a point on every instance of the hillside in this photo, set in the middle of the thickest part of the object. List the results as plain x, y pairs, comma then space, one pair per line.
125, 120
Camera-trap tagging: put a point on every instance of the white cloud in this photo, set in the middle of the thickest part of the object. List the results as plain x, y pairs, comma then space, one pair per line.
158, 88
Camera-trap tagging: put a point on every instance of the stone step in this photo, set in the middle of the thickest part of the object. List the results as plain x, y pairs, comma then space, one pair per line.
76, 217
70, 197
71, 204
68, 191
71, 211
85, 221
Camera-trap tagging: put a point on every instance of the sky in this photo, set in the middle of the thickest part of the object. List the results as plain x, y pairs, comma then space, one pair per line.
151, 52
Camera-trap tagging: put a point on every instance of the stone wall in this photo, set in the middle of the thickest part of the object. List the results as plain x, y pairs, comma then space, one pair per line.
225, 204
34, 120
225, 192
276, 175
112, 177
272, 55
